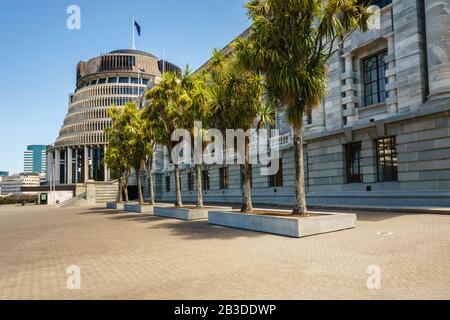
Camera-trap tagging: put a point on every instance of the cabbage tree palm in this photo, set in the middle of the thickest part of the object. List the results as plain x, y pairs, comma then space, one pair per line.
196, 110
116, 156
237, 102
165, 109
134, 135
290, 42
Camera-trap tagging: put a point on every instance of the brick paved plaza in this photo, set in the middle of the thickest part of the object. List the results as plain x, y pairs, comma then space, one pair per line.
126, 256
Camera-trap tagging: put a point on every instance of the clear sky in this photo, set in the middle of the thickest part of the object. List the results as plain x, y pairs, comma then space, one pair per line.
38, 54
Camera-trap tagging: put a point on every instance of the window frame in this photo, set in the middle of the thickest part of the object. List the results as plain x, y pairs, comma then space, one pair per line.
352, 177
276, 180
205, 180
224, 181
368, 93
167, 183
393, 172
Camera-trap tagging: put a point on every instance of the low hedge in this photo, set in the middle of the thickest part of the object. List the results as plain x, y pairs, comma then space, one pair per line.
17, 199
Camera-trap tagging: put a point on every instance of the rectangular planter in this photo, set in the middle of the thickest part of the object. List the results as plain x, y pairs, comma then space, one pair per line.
114, 205
138, 208
186, 213
285, 226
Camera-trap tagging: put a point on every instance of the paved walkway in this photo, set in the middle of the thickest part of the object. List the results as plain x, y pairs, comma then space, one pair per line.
125, 256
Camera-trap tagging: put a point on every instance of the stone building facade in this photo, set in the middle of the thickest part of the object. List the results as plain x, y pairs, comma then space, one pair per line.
381, 135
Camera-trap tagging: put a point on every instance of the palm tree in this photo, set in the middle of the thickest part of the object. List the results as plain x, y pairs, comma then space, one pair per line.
150, 147
117, 152
237, 102
165, 109
290, 43
196, 110
135, 139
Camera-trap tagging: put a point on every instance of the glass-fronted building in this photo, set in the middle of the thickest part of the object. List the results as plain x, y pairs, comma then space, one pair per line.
34, 159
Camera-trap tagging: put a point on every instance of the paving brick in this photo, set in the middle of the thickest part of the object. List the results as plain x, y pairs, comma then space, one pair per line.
126, 256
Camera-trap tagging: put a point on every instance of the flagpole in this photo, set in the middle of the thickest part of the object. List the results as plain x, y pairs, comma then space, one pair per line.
134, 46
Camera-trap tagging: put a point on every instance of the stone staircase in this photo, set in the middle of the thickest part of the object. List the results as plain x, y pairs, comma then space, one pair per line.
101, 192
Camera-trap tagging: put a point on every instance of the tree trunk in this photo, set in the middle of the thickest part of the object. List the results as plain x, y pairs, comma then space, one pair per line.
139, 185
247, 205
178, 201
120, 196
151, 191
125, 187
198, 173
300, 198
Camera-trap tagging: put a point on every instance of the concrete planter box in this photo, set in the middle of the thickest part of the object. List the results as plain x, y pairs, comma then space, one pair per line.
138, 208
285, 226
114, 206
187, 213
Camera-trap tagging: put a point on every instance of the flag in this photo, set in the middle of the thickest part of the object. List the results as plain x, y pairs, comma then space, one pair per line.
138, 28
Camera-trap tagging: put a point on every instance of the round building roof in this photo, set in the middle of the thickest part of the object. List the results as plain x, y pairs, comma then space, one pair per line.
130, 51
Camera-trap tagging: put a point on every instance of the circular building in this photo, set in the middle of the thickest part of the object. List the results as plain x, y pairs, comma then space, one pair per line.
111, 79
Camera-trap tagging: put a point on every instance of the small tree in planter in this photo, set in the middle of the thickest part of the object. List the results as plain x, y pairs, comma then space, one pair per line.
165, 109
150, 147
290, 43
237, 102
116, 156
136, 144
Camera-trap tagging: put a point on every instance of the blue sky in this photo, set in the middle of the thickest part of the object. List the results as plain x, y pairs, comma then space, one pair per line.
38, 54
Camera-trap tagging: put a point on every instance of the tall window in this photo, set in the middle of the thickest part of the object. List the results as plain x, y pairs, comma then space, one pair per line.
190, 181
223, 176
353, 159
387, 161
205, 180
167, 183
277, 179
375, 79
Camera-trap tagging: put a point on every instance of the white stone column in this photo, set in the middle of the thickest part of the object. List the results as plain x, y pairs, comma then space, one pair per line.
391, 75
349, 88
69, 165
49, 174
86, 164
437, 16
105, 166
57, 166
76, 165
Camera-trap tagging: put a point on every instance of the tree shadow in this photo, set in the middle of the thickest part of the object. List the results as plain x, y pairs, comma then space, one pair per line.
376, 216
201, 230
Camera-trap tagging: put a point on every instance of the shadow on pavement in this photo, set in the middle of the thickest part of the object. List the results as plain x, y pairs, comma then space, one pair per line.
200, 230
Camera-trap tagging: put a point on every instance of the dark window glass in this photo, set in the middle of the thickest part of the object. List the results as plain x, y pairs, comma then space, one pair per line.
124, 80
205, 180
380, 3
387, 161
277, 179
134, 80
353, 159
309, 117
167, 183
223, 175
101, 81
375, 79
190, 181
112, 80
145, 81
